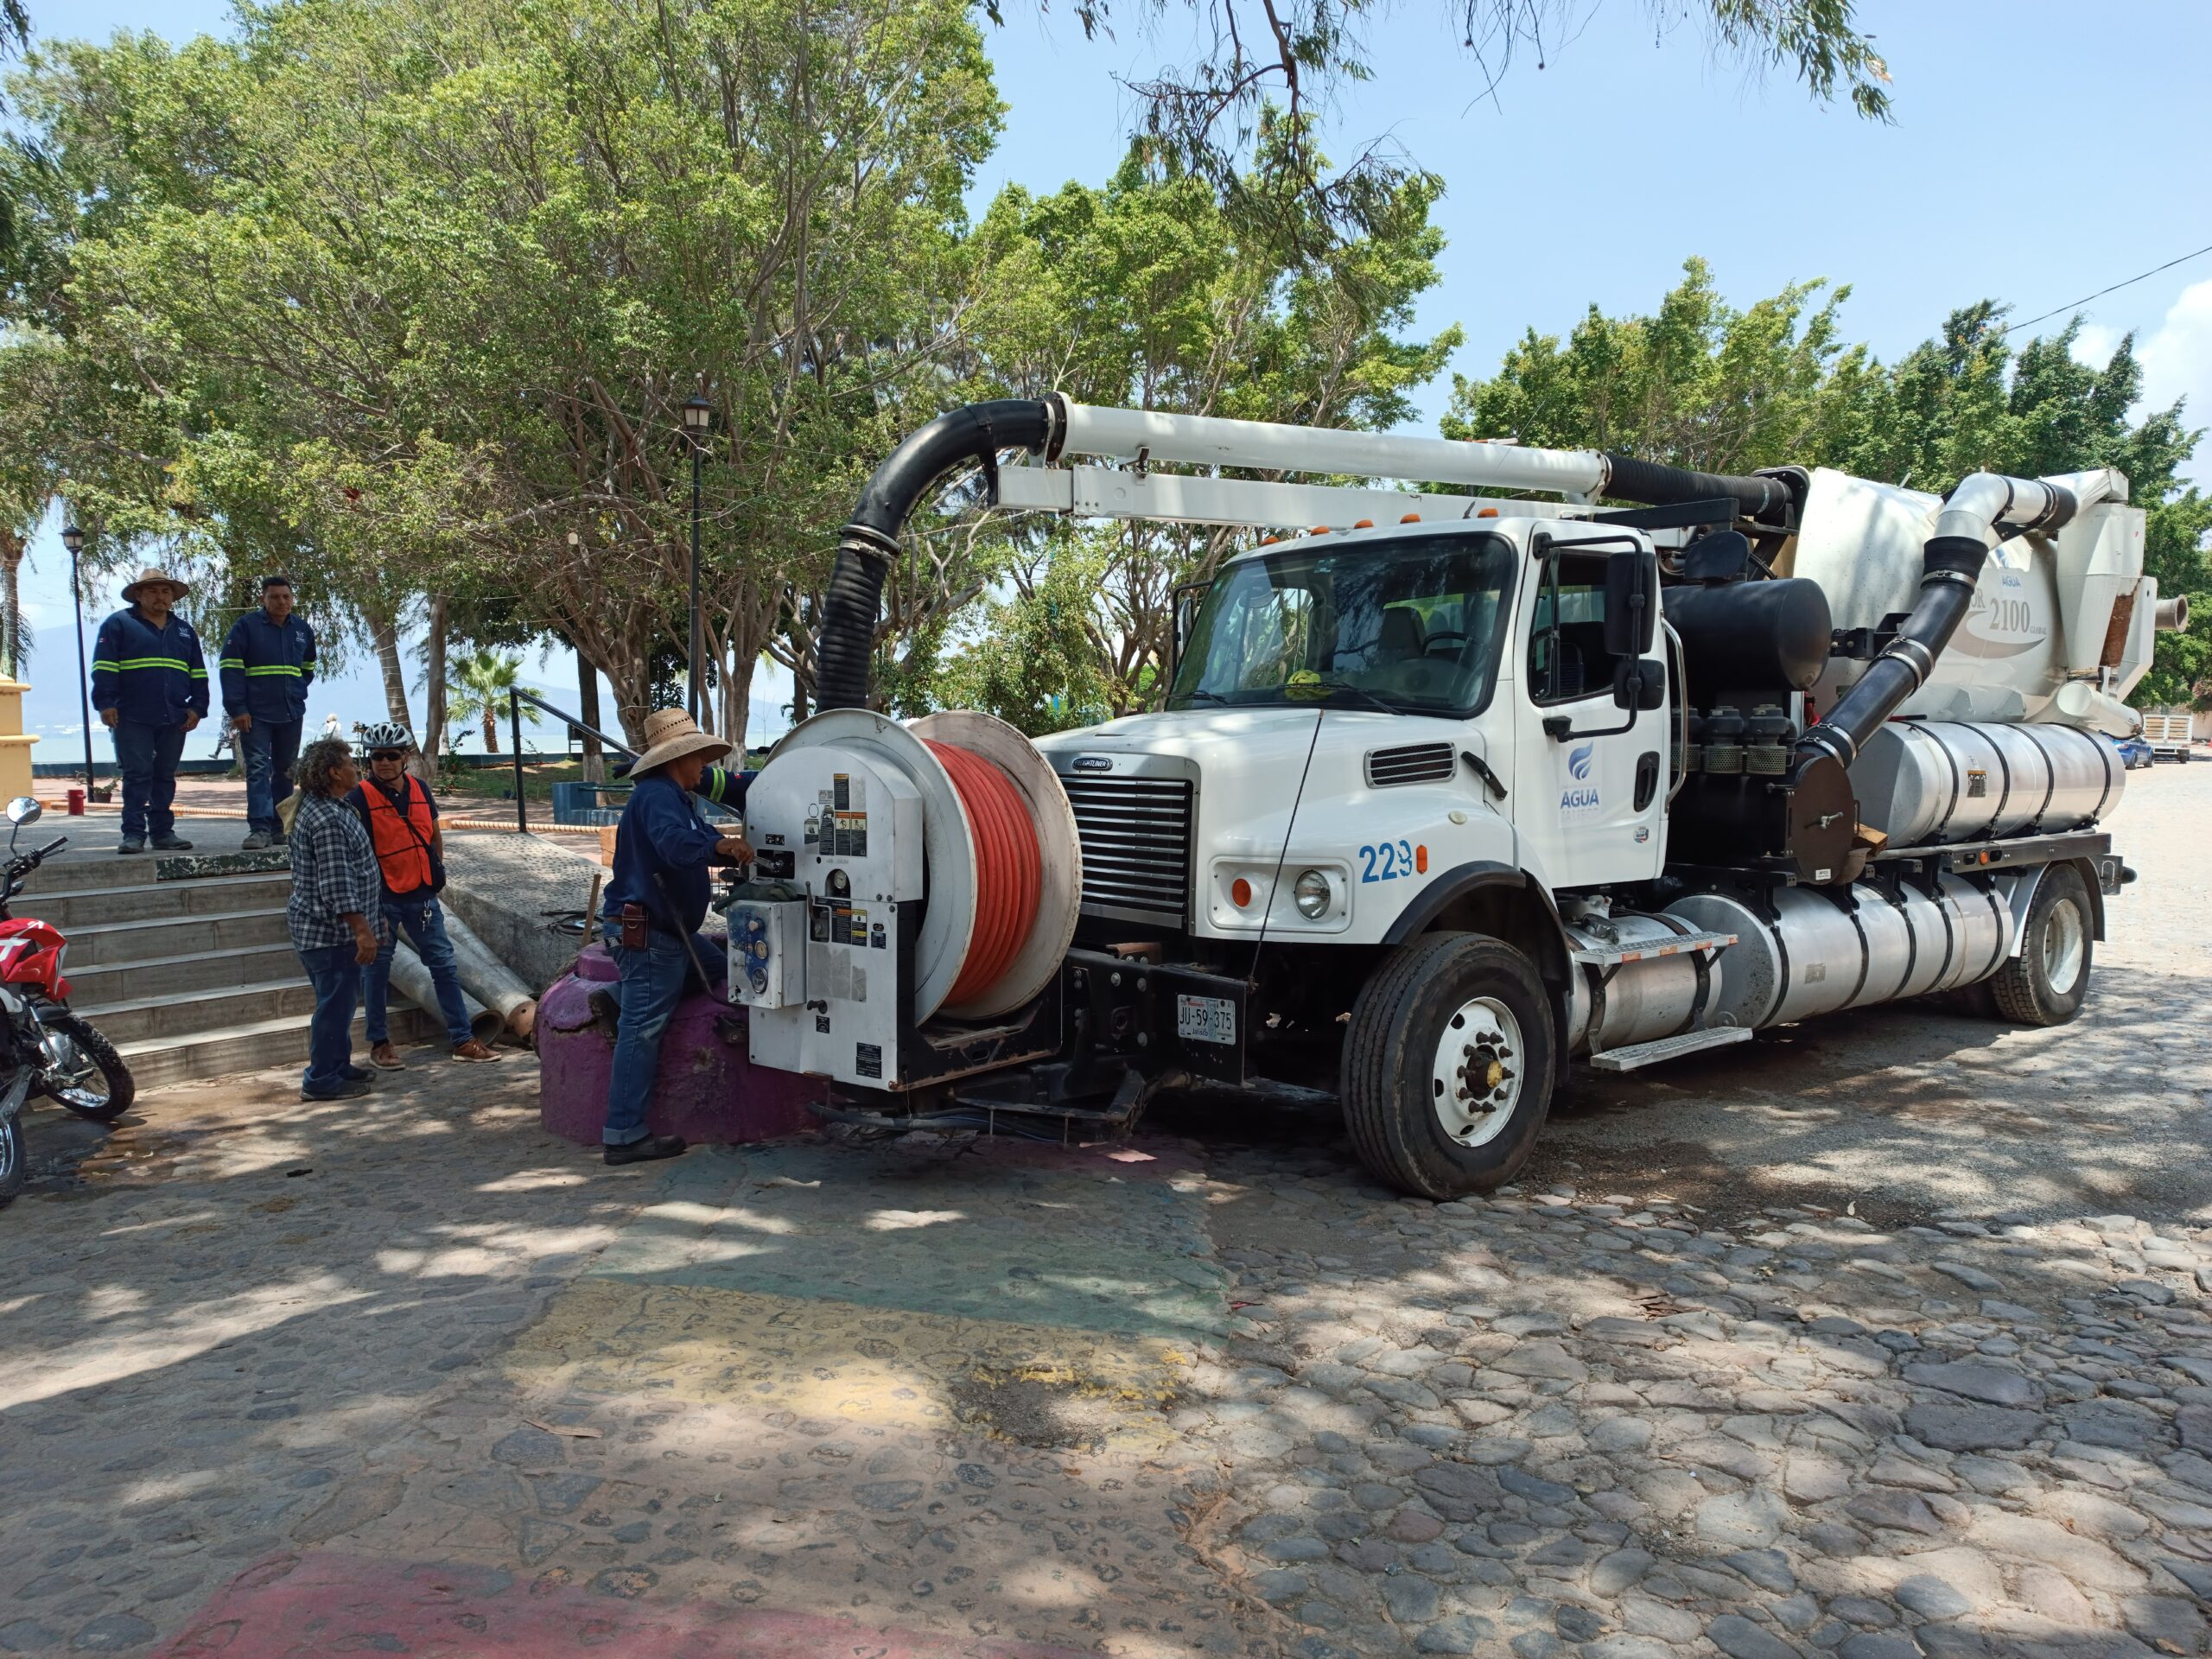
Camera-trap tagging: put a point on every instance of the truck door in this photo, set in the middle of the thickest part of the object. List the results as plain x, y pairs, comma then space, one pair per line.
1592, 760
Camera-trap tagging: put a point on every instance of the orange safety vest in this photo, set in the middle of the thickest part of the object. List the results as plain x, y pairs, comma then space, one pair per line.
402, 838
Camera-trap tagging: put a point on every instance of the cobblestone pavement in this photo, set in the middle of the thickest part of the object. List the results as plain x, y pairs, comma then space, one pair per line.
1877, 1338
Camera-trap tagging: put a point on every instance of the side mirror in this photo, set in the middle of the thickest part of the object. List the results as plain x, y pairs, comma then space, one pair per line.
1640, 683
1632, 603
24, 810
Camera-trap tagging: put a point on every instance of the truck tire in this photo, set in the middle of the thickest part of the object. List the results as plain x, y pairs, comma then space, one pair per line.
1448, 1012
2049, 980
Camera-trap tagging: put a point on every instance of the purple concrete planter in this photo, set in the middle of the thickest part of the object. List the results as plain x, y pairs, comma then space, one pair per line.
707, 1089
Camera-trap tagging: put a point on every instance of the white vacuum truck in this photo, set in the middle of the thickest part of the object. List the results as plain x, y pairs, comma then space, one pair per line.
1450, 791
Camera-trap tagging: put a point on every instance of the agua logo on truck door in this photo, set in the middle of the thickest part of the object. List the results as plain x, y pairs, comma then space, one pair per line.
1579, 799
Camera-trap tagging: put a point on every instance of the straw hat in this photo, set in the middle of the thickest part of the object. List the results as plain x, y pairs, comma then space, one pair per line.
153, 573
669, 735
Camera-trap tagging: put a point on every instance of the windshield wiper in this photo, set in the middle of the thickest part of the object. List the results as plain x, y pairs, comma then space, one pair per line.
1210, 697
1373, 701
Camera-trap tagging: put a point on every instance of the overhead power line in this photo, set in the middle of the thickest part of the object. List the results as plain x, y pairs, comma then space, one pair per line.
2100, 293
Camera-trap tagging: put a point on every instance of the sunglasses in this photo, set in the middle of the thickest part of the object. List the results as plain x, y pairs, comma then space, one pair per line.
387, 754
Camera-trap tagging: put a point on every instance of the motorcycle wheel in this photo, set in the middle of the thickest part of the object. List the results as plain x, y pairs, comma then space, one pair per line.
102, 1087
11, 1160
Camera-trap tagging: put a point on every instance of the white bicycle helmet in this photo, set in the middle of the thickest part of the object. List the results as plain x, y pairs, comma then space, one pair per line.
386, 735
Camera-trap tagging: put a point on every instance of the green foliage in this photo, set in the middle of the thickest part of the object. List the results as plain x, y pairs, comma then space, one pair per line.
1031, 659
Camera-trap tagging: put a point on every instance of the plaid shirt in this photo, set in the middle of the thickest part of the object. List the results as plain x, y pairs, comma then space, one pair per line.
334, 871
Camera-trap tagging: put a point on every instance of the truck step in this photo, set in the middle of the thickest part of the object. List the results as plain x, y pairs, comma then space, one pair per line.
1669, 1048
1645, 950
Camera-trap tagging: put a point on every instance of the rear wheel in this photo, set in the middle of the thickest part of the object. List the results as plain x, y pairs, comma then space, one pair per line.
1449, 1064
11, 1158
91, 1079
2049, 980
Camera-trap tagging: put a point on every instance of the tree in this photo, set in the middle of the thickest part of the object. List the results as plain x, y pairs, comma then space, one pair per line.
1266, 68
423, 286
478, 692
1698, 384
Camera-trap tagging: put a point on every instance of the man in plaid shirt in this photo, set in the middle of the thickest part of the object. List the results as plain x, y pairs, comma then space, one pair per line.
333, 914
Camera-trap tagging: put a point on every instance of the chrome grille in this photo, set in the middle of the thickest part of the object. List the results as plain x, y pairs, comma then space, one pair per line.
1136, 844
1416, 763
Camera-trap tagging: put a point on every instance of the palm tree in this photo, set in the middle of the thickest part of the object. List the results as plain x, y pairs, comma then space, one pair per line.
480, 685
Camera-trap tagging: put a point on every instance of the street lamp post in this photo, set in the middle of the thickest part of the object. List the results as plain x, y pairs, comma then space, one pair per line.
73, 539
698, 421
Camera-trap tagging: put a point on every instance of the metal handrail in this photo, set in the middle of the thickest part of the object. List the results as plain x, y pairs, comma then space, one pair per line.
516, 698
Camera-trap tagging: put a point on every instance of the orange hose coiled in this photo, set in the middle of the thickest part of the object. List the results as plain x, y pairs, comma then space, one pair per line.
1009, 868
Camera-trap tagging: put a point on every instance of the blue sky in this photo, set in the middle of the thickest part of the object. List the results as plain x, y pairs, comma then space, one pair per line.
2034, 159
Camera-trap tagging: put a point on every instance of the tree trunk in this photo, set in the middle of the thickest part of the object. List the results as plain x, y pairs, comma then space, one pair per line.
736, 711
433, 694
11, 608
384, 631
490, 726
588, 711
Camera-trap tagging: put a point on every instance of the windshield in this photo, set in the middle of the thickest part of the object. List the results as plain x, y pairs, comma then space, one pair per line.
1411, 623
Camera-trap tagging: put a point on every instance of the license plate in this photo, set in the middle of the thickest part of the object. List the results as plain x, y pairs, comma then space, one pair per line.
1206, 1019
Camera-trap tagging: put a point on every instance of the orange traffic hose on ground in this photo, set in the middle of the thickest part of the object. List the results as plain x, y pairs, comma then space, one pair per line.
1009, 868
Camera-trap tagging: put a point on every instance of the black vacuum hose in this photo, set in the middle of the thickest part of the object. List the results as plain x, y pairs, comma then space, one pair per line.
1627, 479
845, 646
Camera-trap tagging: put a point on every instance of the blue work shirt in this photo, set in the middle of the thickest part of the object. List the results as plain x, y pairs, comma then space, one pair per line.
661, 834
149, 676
267, 666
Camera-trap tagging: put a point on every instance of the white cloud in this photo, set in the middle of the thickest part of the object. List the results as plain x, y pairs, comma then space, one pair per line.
2178, 356
2093, 346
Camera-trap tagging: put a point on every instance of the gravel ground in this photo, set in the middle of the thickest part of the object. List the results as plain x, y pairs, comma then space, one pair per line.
1877, 1338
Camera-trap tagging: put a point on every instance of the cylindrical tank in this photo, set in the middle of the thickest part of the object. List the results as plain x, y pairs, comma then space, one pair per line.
1924, 782
1821, 953
1641, 1000
1750, 636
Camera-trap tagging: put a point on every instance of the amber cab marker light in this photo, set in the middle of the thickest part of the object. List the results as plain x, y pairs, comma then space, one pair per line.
1240, 891
1410, 519
1487, 513
1420, 860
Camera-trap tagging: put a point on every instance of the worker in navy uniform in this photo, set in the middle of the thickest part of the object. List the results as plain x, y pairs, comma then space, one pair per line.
268, 663
149, 684
656, 899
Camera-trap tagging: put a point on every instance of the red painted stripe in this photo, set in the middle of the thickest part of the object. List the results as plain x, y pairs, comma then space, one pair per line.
320, 1602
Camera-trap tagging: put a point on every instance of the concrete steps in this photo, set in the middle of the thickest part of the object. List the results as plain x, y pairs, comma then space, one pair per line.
186, 964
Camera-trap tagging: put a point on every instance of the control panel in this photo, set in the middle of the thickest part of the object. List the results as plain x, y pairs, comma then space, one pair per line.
827, 976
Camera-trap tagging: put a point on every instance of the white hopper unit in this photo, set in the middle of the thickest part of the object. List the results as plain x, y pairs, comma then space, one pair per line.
2049, 609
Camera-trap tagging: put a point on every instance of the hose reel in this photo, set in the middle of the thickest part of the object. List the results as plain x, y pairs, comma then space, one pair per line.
1002, 864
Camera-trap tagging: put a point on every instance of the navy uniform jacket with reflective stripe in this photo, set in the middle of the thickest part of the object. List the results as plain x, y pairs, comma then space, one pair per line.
267, 667
151, 677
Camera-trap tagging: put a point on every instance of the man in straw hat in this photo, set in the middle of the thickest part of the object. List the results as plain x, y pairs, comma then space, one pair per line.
656, 899
149, 683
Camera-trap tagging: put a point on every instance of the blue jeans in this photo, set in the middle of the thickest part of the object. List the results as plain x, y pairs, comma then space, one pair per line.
425, 924
654, 981
147, 757
269, 752
337, 981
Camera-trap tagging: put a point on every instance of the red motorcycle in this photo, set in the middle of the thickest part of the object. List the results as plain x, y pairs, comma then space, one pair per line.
44, 1048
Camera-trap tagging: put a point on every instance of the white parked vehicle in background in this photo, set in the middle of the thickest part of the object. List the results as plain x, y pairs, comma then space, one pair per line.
2170, 734
1452, 790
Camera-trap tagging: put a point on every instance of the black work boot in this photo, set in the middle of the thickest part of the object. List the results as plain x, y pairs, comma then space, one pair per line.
645, 1151
172, 842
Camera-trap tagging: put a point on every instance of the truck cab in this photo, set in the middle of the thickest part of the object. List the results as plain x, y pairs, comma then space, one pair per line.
1409, 703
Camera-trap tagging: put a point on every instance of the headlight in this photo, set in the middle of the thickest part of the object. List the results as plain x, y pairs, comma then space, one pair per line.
1311, 893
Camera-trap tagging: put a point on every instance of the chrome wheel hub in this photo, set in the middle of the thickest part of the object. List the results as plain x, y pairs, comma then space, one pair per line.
2064, 945
1475, 1082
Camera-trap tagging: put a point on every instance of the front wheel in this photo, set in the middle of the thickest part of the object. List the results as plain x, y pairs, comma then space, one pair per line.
11, 1159
1449, 1064
2049, 980
89, 1078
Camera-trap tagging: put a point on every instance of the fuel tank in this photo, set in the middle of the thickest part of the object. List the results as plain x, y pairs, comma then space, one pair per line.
1824, 950
1925, 782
